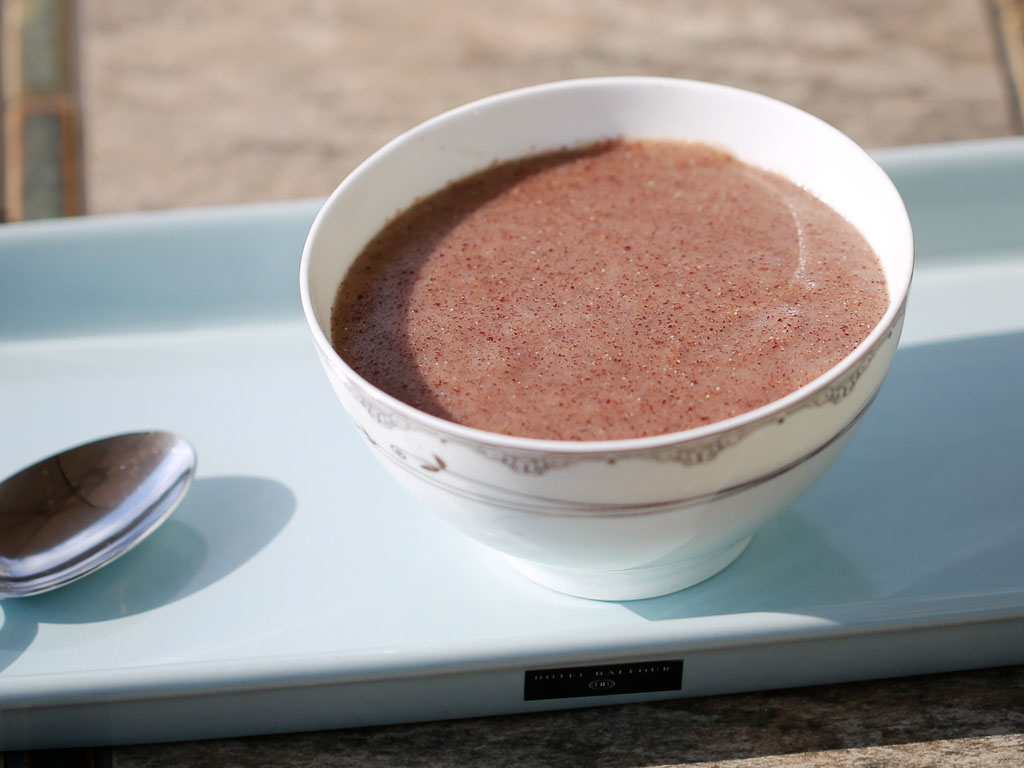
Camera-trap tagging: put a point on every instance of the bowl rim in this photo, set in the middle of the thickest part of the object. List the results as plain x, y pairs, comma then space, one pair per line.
860, 355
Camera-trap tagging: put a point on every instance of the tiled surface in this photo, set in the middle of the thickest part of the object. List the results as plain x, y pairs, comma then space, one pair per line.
39, 147
1009, 22
189, 102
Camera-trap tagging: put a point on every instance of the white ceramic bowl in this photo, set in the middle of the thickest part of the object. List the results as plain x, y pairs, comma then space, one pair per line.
623, 519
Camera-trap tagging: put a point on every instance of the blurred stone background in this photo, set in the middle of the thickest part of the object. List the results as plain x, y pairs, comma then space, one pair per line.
198, 102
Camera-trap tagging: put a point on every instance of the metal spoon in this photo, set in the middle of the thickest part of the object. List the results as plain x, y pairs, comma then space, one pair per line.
74, 512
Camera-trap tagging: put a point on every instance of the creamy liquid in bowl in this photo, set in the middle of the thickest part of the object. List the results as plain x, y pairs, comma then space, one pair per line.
623, 289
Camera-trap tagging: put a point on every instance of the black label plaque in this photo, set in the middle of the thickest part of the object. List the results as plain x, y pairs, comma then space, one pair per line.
603, 680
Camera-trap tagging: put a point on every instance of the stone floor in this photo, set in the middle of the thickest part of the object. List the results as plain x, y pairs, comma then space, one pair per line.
969, 719
189, 102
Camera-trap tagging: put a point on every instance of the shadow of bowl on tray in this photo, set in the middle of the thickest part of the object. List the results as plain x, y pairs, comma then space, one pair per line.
222, 523
925, 503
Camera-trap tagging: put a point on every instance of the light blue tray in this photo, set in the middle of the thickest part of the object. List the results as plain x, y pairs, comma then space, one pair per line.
298, 588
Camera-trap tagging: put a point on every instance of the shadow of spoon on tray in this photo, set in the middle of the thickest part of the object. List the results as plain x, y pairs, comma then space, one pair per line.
221, 524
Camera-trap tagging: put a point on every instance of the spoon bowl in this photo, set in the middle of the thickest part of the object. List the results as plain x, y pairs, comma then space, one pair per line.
76, 511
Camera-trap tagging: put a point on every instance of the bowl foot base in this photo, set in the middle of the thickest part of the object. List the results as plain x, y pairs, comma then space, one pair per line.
630, 583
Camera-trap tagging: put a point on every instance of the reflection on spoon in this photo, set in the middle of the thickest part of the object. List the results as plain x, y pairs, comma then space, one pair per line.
72, 513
